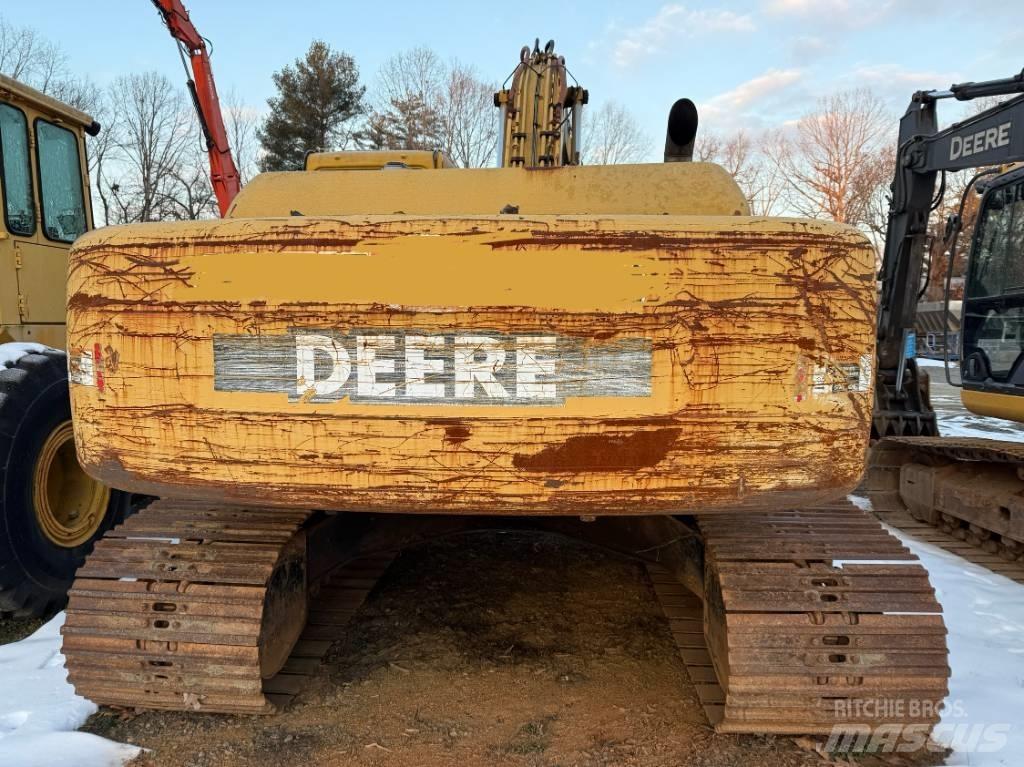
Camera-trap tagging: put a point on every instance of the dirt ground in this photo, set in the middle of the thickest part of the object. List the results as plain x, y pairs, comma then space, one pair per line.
13, 629
497, 649
493, 649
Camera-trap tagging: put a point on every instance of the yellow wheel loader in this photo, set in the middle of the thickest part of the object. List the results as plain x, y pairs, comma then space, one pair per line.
51, 511
382, 348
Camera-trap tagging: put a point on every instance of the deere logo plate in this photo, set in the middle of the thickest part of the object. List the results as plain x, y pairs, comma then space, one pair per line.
472, 367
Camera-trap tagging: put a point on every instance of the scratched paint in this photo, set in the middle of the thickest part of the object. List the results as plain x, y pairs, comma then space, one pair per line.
417, 367
726, 310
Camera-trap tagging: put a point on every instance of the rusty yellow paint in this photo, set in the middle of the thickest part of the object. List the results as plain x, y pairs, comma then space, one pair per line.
654, 189
750, 322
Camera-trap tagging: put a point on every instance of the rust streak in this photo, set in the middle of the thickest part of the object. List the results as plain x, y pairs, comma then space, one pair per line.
602, 452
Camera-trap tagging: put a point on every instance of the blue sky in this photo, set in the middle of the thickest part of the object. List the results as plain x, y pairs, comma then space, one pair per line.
756, 64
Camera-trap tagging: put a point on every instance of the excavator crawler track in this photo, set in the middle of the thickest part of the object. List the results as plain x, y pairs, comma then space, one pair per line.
193, 607
809, 620
968, 488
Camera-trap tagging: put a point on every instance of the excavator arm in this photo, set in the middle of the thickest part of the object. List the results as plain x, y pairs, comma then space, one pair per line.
992, 137
223, 172
540, 112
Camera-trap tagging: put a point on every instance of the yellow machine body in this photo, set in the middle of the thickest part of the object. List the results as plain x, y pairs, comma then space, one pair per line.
628, 342
656, 189
33, 246
417, 159
1009, 407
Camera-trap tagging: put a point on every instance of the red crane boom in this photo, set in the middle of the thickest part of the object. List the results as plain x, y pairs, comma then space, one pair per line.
223, 172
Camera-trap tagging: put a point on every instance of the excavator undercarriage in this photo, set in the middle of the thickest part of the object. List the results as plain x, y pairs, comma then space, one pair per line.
783, 628
970, 488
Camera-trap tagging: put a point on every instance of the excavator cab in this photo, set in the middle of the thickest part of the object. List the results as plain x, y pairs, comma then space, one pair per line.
993, 313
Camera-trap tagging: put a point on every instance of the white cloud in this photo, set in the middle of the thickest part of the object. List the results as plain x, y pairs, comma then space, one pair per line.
894, 74
672, 22
853, 14
757, 103
895, 84
846, 13
756, 89
777, 97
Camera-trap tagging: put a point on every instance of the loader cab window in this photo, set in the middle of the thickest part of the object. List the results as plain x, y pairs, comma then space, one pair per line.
60, 182
16, 172
993, 323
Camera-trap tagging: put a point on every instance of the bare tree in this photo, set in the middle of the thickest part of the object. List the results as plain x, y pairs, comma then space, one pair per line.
422, 102
242, 123
102, 150
26, 55
768, 195
745, 158
417, 72
406, 123
29, 57
153, 166
469, 118
838, 158
612, 136
188, 192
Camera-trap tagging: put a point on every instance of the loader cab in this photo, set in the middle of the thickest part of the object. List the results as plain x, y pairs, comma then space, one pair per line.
993, 307
45, 205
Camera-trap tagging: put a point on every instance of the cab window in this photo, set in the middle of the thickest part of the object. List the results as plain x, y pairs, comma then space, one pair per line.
60, 182
993, 323
16, 172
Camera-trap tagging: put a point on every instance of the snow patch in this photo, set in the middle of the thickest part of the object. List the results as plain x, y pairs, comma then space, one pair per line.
984, 614
12, 352
970, 425
39, 710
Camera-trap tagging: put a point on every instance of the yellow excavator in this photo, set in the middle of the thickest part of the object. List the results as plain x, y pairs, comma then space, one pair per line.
382, 348
51, 511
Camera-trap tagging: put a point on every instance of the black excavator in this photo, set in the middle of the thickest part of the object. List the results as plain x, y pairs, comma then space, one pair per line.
971, 487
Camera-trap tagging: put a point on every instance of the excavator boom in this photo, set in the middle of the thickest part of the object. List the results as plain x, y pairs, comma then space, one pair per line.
223, 172
994, 136
967, 486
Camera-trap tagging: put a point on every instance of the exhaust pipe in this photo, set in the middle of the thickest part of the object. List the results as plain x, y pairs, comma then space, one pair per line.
682, 131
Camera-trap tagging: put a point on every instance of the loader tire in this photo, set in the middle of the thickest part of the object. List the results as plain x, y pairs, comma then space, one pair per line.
51, 511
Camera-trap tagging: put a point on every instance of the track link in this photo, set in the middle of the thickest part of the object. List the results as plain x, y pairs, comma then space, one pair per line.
798, 637
188, 606
968, 488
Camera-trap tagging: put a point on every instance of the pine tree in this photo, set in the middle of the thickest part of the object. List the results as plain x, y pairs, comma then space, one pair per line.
317, 99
